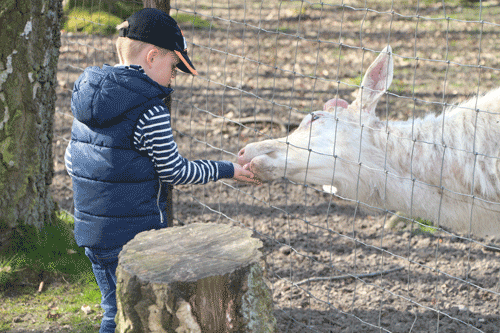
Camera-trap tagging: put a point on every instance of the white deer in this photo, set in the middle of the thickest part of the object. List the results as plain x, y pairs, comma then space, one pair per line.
441, 168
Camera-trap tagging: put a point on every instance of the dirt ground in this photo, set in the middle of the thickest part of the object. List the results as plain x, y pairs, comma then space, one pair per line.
332, 265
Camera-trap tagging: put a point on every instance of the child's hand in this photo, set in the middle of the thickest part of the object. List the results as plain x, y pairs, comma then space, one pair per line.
243, 175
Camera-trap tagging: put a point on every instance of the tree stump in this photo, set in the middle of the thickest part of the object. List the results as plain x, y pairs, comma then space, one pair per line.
203, 277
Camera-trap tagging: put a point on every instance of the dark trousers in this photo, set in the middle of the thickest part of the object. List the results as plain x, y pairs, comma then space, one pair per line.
104, 264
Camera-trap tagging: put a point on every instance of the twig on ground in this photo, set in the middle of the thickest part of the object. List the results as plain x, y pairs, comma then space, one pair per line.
40, 287
492, 247
261, 119
348, 276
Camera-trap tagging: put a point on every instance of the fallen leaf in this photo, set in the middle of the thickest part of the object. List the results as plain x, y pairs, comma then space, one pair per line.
40, 287
71, 251
87, 309
53, 316
5, 269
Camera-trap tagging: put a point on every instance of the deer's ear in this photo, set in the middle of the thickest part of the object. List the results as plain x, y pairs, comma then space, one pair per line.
376, 81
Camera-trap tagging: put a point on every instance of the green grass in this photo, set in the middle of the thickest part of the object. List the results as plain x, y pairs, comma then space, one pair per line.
59, 306
421, 226
196, 21
53, 257
468, 10
99, 18
400, 87
356, 81
53, 249
99, 23
120, 9
424, 227
102, 19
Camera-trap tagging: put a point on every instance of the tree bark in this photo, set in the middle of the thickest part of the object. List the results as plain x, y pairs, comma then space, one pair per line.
203, 277
159, 4
165, 6
29, 50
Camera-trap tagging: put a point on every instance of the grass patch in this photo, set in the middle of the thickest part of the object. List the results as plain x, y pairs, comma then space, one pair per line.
102, 18
424, 227
197, 22
51, 250
99, 23
399, 86
356, 81
402, 222
103, 23
120, 9
50, 256
59, 307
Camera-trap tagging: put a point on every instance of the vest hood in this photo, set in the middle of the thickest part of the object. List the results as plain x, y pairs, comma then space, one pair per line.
112, 91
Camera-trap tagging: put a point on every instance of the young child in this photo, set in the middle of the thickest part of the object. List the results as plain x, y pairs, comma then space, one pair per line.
122, 148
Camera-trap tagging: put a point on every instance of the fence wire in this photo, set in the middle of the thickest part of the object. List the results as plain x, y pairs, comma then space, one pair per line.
333, 264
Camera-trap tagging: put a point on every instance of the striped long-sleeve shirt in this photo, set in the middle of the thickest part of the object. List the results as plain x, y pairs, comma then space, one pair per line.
154, 135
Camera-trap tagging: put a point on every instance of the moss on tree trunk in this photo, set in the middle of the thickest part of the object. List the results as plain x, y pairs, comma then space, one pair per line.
29, 50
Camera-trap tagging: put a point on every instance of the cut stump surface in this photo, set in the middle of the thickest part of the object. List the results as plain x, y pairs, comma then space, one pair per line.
203, 277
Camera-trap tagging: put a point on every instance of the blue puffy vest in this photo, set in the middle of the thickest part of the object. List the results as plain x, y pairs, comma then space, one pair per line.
117, 193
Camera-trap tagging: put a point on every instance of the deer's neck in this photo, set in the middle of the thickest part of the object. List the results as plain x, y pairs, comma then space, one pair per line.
412, 148
402, 158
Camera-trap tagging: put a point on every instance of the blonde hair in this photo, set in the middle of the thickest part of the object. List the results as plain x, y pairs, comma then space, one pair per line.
128, 49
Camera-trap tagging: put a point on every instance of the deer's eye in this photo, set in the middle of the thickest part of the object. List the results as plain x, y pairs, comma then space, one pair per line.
314, 117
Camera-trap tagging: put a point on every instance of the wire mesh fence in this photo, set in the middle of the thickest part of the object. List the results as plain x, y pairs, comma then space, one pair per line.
334, 266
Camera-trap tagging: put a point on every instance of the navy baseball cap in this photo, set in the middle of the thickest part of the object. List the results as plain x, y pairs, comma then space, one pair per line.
156, 27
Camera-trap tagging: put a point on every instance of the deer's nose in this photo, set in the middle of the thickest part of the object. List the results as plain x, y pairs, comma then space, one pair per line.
241, 159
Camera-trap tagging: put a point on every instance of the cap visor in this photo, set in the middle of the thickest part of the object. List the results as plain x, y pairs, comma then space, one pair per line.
185, 65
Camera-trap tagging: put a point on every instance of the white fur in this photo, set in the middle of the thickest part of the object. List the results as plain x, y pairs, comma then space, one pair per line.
438, 168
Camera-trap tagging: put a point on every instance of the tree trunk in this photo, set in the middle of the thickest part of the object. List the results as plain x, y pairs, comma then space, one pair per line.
165, 6
29, 50
203, 277
159, 4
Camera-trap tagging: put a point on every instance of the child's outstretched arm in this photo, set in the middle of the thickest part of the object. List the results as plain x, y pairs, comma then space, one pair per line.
154, 136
